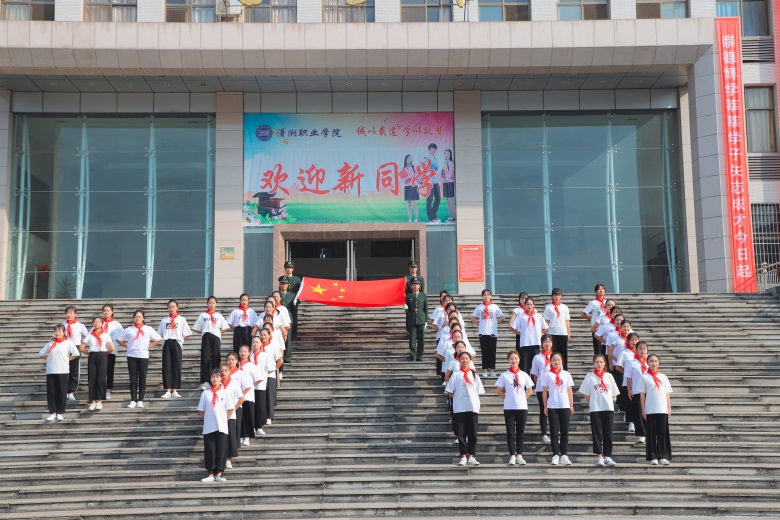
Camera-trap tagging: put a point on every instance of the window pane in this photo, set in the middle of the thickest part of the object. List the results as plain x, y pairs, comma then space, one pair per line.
674, 10
569, 12
754, 19
516, 13
724, 9
42, 12
16, 12
412, 14
491, 13
594, 12
176, 15
97, 13
758, 97
760, 130
645, 11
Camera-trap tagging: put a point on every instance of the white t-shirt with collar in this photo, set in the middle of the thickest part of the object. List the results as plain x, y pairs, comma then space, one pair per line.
215, 417
601, 399
557, 396
625, 359
78, 332
538, 369
488, 326
633, 371
114, 329
139, 347
514, 393
594, 310
251, 373
655, 398
205, 325
234, 390
178, 331
266, 364
58, 360
236, 318
557, 325
465, 396
92, 343
530, 333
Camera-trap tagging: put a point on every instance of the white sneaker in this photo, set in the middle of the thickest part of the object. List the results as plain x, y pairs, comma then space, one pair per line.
99, 406
641, 440
51, 417
512, 460
473, 462
631, 428
600, 461
108, 395
71, 397
444, 384
609, 462
92, 407
166, 395
176, 395
246, 441
207, 479
60, 417
664, 462
259, 431
555, 460
220, 479
140, 404
462, 461
654, 462
565, 460
133, 405
492, 373
545, 439
268, 422
485, 373
520, 460
228, 465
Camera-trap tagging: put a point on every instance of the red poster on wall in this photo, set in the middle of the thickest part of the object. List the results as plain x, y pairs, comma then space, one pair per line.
471, 264
729, 48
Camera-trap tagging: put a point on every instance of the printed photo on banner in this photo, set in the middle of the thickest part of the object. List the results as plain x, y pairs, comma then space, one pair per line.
349, 168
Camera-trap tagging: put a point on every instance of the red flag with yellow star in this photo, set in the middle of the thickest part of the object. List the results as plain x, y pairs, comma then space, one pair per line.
370, 293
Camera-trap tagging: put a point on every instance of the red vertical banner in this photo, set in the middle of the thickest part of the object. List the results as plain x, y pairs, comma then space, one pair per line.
729, 49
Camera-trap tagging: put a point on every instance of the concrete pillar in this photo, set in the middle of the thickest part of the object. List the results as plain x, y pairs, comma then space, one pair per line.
228, 194
69, 10
468, 180
544, 10
689, 204
622, 10
702, 8
387, 10
309, 11
151, 11
6, 160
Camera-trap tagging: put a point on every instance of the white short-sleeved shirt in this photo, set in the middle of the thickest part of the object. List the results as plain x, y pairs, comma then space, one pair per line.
605, 330
655, 398
58, 360
177, 329
601, 399
514, 393
139, 348
454, 365
92, 343
236, 318
215, 417
557, 325
251, 374
625, 359
276, 353
435, 316
77, 332
539, 368
595, 310
114, 329
266, 365
619, 343
465, 396
449, 355
633, 371
530, 332
206, 325
489, 325
557, 396
234, 390
277, 339
281, 318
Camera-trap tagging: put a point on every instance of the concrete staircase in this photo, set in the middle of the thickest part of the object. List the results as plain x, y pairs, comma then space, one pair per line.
361, 432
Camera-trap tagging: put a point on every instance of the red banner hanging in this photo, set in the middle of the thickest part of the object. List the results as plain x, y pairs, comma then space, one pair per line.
340, 293
729, 48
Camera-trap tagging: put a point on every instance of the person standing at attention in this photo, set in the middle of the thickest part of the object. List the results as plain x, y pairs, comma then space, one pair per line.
416, 317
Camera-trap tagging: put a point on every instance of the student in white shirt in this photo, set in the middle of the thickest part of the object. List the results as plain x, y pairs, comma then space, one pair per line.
594, 310
559, 407
278, 321
656, 410
174, 330
515, 387
210, 325
58, 353
632, 375
265, 357
138, 339
276, 351
245, 386
487, 316
557, 315
436, 318
600, 390
215, 407
113, 328
75, 332
251, 376
241, 320
233, 387
539, 367
520, 309
616, 344
606, 324
627, 355
530, 326
465, 387
96, 345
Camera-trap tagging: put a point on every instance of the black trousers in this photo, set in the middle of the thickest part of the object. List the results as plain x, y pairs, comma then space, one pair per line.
465, 425
137, 367
210, 356
248, 418
561, 345
515, 430
621, 399
559, 425
110, 371
96, 375
270, 397
635, 405
294, 326
527, 357
432, 202
215, 446
488, 343
659, 445
438, 367
287, 349
601, 431
542, 417
261, 408
597, 346
57, 392
232, 449
74, 366
171, 364
242, 336
416, 341
238, 413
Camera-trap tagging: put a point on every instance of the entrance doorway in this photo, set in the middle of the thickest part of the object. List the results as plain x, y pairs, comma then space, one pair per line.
353, 260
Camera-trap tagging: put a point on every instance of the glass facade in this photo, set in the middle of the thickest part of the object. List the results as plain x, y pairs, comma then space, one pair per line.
575, 199
118, 207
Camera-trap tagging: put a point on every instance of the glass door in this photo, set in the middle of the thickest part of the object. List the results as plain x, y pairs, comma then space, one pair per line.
380, 259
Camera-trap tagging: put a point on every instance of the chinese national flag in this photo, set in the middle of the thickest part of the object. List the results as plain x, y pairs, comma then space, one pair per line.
372, 293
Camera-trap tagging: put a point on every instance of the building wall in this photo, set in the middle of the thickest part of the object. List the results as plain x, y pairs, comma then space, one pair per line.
151, 11
69, 10
6, 156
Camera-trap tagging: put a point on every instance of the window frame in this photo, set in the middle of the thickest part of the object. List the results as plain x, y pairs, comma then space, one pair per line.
582, 4
342, 6
660, 4
767, 13
110, 5
187, 6
29, 4
504, 4
427, 5
270, 7
771, 110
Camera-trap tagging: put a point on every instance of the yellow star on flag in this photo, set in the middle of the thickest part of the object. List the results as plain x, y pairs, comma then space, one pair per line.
335, 284
342, 290
341, 296
319, 290
333, 299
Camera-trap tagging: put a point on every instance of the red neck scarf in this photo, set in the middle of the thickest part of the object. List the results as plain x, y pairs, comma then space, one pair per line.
522, 306
234, 370
485, 311
601, 301
242, 363
600, 375
214, 390
243, 308
547, 357
278, 305
516, 372
531, 319
624, 336
255, 353
263, 345
96, 334
226, 382
173, 320
555, 306
70, 322
643, 363
106, 321
140, 331
55, 342
211, 315
557, 376
632, 349
656, 379
466, 375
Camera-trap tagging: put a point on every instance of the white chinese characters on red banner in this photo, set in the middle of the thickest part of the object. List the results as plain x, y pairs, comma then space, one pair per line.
730, 59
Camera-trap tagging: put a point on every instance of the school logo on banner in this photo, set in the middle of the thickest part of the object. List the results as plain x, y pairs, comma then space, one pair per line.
348, 168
